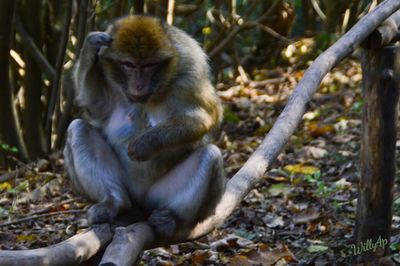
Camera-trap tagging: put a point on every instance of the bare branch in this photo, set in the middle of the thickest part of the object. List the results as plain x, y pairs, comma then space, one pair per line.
37, 216
170, 12
35, 52
385, 33
73, 251
318, 9
259, 162
127, 239
247, 25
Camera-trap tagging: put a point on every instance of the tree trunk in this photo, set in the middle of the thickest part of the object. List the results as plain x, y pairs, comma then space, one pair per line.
9, 126
33, 110
138, 6
381, 69
120, 8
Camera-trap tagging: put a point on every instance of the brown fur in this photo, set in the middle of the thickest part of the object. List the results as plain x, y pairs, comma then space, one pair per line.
141, 37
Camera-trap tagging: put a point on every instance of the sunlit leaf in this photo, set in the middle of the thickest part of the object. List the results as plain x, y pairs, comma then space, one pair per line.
278, 189
301, 169
317, 248
5, 186
26, 238
207, 30
315, 129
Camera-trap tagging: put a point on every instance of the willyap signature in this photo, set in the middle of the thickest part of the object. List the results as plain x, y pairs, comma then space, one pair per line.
368, 245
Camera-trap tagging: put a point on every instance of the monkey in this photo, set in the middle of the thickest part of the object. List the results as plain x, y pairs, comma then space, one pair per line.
143, 148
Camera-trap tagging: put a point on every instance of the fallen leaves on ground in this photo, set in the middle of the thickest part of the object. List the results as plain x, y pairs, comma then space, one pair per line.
301, 213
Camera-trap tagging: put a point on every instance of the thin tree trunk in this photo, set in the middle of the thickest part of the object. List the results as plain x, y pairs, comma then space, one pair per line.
55, 90
120, 8
308, 17
9, 126
67, 84
138, 6
33, 110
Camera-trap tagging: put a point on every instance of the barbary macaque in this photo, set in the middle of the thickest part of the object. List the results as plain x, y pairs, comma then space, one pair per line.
143, 148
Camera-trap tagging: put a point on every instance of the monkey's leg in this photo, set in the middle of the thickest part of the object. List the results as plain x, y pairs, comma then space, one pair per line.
95, 172
188, 193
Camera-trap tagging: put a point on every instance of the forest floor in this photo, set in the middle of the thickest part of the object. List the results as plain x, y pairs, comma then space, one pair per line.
301, 213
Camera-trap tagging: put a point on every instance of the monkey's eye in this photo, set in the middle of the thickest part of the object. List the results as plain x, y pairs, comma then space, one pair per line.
128, 65
149, 66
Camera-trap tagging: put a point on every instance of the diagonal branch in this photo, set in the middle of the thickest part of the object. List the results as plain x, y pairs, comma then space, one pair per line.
35, 52
259, 162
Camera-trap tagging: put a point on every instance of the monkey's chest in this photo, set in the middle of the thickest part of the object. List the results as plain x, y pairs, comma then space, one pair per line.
122, 124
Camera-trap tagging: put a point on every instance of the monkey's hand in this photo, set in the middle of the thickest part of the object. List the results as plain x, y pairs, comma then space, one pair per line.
140, 149
97, 39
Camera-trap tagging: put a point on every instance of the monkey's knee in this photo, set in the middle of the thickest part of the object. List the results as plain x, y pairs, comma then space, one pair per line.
77, 128
211, 153
211, 160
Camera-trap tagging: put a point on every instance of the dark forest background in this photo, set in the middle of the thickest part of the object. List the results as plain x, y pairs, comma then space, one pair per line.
40, 41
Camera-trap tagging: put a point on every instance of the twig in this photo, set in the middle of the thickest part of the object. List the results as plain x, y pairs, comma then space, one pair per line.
82, 22
37, 216
262, 83
318, 9
270, 31
49, 208
170, 12
246, 25
37, 55
17, 172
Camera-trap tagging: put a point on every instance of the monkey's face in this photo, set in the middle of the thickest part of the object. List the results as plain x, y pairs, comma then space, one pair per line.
140, 79
143, 78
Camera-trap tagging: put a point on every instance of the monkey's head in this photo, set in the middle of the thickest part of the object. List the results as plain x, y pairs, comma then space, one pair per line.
141, 59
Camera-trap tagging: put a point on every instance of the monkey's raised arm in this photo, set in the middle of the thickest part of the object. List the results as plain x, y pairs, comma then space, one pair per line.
90, 81
88, 56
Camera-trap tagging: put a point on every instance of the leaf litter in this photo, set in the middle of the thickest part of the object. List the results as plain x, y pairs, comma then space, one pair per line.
301, 213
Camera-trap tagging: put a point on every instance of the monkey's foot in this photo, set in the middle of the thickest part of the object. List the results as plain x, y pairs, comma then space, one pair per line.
101, 213
163, 222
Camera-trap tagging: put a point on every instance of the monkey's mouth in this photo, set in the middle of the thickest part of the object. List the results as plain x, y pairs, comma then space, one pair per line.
141, 98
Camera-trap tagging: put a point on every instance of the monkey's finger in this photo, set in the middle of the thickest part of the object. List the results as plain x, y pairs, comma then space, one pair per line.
99, 38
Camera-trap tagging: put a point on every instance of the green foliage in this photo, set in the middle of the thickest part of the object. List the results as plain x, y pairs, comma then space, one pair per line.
357, 106
8, 149
321, 188
230, 116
